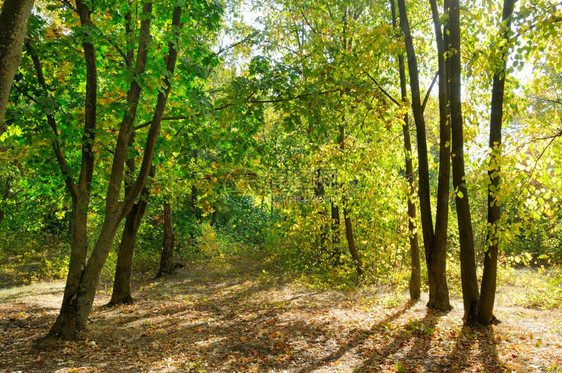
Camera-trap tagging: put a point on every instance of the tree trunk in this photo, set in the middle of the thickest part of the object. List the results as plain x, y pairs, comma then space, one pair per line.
488, 291
414, 284
335, 232
346, 218
435, 242
79, 249
167, 258
351, 242
121, 293
78, 300
437, 256
13, 28
335, 212
122, 283
466, 237
319, 192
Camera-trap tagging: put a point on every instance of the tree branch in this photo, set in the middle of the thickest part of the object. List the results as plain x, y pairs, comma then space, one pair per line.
105, 37
268, 101
426, 98
69, 5
552, 138
55, 141
382, 89
90, 106
298, 97
126, 128
154, 129
308, 23
237, 43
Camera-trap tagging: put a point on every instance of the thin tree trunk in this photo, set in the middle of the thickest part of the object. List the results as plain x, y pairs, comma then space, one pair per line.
319, 193
13, 28
435, 242
167, 257
437, 256
122, 282
419, 120
335, 213
351, 242
466, 237
347, 219
414, 284
335, 232
488, 291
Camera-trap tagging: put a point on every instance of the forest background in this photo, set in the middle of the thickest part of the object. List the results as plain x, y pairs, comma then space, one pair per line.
325, 138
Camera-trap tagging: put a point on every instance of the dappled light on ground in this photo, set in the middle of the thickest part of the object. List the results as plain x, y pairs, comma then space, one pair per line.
205, 320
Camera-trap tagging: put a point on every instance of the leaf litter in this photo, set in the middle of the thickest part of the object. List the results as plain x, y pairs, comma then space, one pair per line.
205, 319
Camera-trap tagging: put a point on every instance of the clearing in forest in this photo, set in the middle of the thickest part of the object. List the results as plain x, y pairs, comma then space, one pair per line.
240, 318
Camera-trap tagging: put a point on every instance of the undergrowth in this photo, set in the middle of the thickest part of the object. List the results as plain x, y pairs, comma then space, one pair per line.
31, 256
533, 287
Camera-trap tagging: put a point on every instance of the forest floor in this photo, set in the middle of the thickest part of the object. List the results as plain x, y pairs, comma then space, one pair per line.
242, 318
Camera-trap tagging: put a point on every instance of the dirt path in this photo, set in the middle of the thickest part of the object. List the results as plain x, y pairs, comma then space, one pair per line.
240, 319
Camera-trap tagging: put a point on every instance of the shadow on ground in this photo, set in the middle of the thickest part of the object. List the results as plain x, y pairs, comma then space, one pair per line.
238, 319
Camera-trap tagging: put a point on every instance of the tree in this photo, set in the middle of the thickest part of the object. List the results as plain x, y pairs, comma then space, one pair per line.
466, 237
488, 290
84, 272
13, 27
435, 242
190, 97
414, 284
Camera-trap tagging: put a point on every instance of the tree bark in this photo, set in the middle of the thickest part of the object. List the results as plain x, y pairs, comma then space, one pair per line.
414, 284
322, 237
13, 28
488, 290
335, 214
167, 257
466, 237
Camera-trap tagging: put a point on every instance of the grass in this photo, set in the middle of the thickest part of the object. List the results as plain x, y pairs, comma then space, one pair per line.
539, 288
